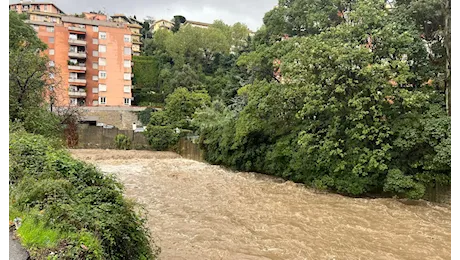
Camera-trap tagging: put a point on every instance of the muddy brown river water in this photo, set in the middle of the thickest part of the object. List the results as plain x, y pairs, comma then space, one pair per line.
201, 211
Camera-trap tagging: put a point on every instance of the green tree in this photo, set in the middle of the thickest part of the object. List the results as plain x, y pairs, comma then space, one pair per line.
31, 79
182, 103
178, 20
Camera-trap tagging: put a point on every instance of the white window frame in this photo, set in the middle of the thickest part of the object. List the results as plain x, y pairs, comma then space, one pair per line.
127, 63
102, 35
127, 76
49, 29
102, 87
95, 41
102, 48
127, 99
95, 54
127, 89
51, 39
51, 52
51, 63
129, 51
101, 99
95, 29
102, 74
95, 65
127, 38
95, 78
95, 102
95, 90
102, 62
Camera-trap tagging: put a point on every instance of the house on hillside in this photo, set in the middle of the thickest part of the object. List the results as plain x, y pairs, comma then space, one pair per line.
162, 24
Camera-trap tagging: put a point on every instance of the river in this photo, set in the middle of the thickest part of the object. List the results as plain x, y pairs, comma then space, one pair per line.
200, 211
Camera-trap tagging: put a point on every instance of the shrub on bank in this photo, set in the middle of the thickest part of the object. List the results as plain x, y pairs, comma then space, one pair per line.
122, 142
69, 207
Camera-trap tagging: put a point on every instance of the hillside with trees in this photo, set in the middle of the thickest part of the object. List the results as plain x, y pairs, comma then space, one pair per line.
347, 96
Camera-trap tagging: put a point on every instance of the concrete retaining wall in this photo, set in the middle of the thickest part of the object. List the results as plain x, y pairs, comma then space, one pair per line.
96, 137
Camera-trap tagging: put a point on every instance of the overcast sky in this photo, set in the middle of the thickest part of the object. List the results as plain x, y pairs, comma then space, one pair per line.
249, 12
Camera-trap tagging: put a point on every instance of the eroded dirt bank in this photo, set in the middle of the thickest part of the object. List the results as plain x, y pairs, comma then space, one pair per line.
200, 211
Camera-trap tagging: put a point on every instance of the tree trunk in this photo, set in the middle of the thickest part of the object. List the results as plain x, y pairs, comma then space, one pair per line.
447, 47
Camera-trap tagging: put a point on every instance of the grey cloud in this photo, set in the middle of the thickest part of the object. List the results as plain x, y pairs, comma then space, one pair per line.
245, 11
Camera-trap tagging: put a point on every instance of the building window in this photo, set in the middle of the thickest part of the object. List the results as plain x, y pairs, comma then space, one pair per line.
51, 39
102, 35
51, 63
36, 27
95, 78
95, 54
72, 36
127, 38
127, 51
95, 102
102, 74
102, 48
95, 90
127, 89
127, 76
95, 66
45, 7
127, 101
127, 63
49, 29
95, 29
102, 87
95, 41
51, 51
53, 19
73, 101
73, 75
102, 100
51, 76
102, 62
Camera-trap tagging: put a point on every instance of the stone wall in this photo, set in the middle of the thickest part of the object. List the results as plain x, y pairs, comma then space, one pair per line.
120, 117
96, 137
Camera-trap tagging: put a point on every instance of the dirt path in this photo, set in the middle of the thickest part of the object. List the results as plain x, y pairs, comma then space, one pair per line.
200, 211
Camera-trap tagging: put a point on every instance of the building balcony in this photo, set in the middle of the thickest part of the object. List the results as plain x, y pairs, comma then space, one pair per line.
78, 81
77, 94
76, 67
77, 29
81, 55
77, 42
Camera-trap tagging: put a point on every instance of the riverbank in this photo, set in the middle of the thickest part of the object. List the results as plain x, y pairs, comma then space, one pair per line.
201, 211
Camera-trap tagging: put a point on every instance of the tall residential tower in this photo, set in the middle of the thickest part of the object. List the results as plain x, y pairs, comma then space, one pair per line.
92, 54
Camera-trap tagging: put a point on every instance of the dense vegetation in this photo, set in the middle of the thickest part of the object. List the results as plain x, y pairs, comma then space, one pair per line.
351, 96
65, 209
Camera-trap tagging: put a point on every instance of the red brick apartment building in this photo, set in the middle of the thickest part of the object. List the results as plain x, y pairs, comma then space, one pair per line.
92, 54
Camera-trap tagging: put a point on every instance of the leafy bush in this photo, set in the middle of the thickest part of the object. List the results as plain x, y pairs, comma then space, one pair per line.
123, 142
144, 115
159, 118
161, 137
73, 202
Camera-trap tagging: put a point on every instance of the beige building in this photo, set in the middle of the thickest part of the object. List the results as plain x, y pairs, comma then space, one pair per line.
197, 24
162, 24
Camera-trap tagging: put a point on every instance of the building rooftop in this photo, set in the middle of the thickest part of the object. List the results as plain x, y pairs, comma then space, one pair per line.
78, 20
197, 23
37, 3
